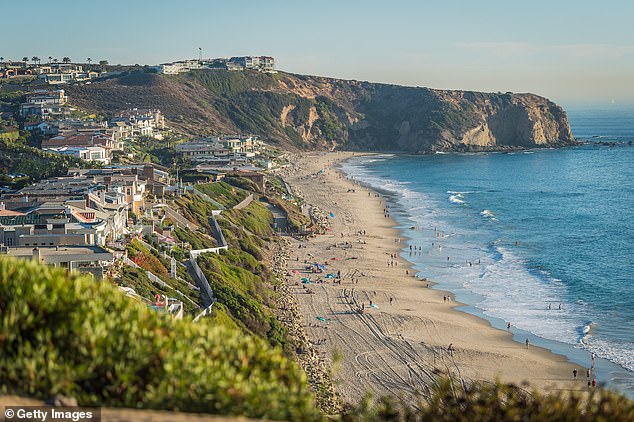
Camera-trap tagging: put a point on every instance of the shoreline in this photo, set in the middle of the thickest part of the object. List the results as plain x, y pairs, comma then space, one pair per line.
400, 344
606, 372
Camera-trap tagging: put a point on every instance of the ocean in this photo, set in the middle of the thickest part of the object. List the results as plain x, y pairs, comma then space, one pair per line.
543, 239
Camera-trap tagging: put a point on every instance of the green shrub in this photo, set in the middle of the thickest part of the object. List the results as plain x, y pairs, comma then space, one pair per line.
142, 256
66, 334
482, 401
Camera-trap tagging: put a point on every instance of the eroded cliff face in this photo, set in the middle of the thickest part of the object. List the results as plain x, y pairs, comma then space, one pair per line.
423, 120
307, 112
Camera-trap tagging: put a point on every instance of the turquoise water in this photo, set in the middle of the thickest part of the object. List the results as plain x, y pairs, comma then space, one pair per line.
542, 238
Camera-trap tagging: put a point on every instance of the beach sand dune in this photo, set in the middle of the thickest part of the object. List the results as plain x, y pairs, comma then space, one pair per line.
391, 332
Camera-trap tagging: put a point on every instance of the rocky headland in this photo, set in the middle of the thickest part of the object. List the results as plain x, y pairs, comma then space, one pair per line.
309, 112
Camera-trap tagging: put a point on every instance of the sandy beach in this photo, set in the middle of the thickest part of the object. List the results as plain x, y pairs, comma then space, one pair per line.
382, 328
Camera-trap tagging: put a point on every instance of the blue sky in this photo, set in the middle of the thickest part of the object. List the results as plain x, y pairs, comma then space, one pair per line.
570, 51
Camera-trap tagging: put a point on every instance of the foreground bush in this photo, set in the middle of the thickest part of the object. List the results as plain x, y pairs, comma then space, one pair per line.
496, 402
69, 335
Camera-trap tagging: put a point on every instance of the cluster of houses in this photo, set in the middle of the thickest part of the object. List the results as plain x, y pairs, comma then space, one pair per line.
48, 114
216, 148
67, 221
259, 63
51, 73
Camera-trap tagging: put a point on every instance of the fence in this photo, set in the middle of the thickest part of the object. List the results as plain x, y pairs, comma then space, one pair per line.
204, 283
244, 203
208, 199
217, 232
179, 219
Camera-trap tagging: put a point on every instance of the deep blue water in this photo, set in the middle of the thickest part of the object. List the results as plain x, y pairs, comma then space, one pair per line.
512, 234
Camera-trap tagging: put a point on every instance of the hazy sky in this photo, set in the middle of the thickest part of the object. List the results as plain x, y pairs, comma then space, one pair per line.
570, 51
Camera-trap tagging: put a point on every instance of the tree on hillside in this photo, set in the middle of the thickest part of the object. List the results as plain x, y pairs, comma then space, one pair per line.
66, 60
103, 64
1, 59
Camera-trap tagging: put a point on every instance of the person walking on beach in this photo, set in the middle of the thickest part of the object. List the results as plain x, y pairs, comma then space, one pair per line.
508, 326
574, 373
588, 374
450, 349
527, 343
594, 382
592, 360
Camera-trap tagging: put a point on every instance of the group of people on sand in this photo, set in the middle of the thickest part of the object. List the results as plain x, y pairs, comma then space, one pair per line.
591, 378
393, 261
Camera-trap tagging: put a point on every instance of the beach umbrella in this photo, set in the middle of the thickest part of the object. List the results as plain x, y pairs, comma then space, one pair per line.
321, 318
332, 215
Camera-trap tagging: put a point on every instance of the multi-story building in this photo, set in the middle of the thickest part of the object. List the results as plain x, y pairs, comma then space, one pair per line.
91, 153
45, 104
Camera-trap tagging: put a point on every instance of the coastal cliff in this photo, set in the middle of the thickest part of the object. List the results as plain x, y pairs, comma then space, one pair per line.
309, 112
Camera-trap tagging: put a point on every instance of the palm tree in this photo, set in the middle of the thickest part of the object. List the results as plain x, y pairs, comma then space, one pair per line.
55, 61
89, 60
1, 59
35, 60
50, 59
25, 59
66, 60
